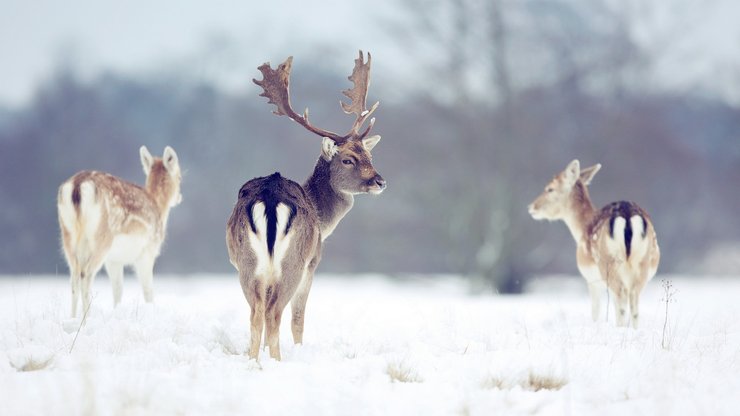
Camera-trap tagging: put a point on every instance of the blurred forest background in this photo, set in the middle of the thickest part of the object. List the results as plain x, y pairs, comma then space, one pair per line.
482, 102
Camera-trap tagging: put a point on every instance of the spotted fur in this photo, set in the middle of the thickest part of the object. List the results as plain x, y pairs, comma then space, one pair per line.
616, 246
105, 220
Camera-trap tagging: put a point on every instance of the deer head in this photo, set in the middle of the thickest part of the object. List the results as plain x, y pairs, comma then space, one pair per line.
163, 175
565, 189
350, 162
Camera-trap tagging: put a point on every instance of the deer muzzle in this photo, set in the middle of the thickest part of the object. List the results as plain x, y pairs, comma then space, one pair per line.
534, 212
376, 185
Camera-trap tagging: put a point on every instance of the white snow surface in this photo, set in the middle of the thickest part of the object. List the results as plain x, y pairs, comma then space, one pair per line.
372, 346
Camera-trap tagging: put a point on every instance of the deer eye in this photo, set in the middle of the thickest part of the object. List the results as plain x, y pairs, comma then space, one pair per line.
348, 162
549, 190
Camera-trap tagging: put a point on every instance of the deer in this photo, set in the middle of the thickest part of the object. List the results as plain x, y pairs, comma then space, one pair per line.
105, 220
275, 233
617, 246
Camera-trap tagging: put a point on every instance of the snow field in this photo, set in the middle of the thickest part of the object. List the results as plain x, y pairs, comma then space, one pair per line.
372, 346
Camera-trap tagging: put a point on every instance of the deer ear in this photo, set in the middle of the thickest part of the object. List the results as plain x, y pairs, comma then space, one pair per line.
146, 159
588, 174
328, 149
369, 142
572, 172
170, 159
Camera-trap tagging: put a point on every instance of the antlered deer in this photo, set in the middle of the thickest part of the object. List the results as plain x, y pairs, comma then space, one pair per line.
106, 220
275, 232
616, 245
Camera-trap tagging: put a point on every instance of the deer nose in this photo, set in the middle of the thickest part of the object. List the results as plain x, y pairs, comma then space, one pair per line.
378, 180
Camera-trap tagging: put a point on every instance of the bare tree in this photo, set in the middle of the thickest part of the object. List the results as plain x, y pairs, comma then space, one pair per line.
493, 51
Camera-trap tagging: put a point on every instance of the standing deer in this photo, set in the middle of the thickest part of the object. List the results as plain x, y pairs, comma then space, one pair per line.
275, 232
616, 245
106, 220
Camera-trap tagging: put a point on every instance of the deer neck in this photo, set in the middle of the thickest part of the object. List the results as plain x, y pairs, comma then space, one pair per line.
331, 205
161, 204
580, 213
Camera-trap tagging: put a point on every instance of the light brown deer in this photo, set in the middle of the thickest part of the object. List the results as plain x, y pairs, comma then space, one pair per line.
106, 220
616, 245
275, 232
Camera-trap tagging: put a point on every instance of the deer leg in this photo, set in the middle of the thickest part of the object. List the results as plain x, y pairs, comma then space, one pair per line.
86, 279
298, 303
145, 273
272, 331
639, 284
87, 276
74, 270
634, 306
620, 305
612, 287
115, 273
256, 299
614, 282
298, 314
257, 320
273, 316
74, 280
594, 290
89, 268
85, 283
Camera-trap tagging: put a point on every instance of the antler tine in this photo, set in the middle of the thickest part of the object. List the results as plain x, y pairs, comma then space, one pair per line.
276, 88
367, 130
358, 95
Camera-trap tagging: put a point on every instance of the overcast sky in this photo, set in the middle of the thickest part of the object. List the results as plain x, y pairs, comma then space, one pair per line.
136, 35
142, 35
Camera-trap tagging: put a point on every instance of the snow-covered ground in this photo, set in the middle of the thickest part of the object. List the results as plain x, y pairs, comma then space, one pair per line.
372, 346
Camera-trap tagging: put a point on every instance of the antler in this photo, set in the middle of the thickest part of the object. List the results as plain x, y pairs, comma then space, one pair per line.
276, 86
358, 95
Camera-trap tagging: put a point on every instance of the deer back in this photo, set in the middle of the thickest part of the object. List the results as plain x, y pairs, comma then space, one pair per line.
273, 218
123, 207
96, 207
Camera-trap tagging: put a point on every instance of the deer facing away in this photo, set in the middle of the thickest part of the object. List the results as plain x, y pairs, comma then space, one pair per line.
106, 220
275, 233
616, 245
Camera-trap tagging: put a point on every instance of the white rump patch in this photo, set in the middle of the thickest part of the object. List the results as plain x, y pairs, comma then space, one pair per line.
82, 226
639, 243
90, 211
86, 225
283, 215
616, 244
637, 225
269, 266
258, 239
282, 238
66, 209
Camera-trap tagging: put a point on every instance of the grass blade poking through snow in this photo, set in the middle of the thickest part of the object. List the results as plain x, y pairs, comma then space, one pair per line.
668, 293
401, 372
82, 322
